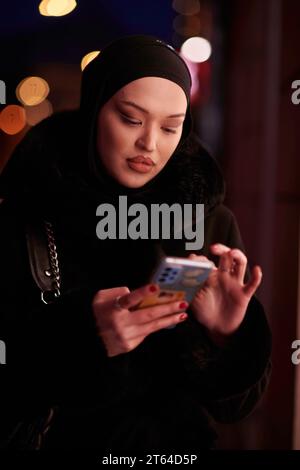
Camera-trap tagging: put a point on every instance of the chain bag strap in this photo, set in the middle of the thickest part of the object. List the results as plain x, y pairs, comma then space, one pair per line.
43, 259
53, 272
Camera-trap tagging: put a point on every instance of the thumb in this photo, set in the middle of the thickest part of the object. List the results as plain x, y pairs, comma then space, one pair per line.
106, 295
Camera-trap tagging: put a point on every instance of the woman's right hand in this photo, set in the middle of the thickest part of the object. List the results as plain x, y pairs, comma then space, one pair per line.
121, 329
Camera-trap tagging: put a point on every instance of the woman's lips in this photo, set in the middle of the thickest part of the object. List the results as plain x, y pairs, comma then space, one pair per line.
140, 164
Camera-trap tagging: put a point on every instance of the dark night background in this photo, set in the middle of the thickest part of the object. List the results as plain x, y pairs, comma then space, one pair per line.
244, 115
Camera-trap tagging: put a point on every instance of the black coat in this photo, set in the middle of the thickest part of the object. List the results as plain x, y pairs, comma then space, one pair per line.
163, 394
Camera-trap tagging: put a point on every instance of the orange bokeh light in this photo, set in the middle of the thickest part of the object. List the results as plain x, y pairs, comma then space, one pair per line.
12, 119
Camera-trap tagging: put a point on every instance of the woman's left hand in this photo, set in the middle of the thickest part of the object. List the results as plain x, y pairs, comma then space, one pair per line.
220, 305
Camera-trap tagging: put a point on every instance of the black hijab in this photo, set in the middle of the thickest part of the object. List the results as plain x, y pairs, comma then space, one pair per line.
119, 63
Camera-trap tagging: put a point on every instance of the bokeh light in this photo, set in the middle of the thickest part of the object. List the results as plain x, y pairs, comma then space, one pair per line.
57, 7
12, 119
186, 7
35, 114
196, 49
32, 91
43, 8
88, 58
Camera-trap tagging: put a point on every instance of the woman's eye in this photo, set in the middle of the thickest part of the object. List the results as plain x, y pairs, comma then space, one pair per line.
130, 121
138, 123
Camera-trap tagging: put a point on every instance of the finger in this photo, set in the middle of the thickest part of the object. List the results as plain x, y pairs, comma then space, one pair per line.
232, 261
136, 296
105, 295
254, 282
150, 314
218, 248
164, 322
239, 264
195, 257
198, 257
225, 262
221, 250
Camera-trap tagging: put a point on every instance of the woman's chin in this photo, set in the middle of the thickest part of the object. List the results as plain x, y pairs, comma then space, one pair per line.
133, 181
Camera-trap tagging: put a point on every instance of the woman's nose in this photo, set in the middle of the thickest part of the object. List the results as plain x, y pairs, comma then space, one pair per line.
147, 140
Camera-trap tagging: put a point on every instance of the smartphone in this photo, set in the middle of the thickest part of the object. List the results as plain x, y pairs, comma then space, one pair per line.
178, 279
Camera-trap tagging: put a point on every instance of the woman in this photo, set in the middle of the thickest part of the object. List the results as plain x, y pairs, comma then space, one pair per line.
98, 374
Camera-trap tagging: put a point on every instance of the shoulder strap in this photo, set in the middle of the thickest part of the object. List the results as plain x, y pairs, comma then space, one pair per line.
43, 259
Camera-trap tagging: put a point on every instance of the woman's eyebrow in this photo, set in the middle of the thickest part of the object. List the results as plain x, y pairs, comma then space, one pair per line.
134, 105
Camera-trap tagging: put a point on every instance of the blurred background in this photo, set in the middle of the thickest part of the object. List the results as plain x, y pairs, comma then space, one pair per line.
244, 59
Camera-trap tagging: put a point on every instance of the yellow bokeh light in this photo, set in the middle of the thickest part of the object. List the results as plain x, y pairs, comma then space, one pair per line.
12, 119
32, 91
88, 58
43, 8
35, 114
57, 7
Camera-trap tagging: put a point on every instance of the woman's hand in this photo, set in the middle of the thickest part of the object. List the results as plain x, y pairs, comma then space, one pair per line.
122, 329
220, 305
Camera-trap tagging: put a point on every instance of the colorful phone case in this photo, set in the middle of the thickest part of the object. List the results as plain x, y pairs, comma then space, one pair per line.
179, 279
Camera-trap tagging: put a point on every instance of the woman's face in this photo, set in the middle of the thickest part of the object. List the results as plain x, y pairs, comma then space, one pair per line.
139, 128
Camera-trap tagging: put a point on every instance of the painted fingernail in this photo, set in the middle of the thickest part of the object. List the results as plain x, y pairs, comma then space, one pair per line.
152, 288
183, 316
183, 305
